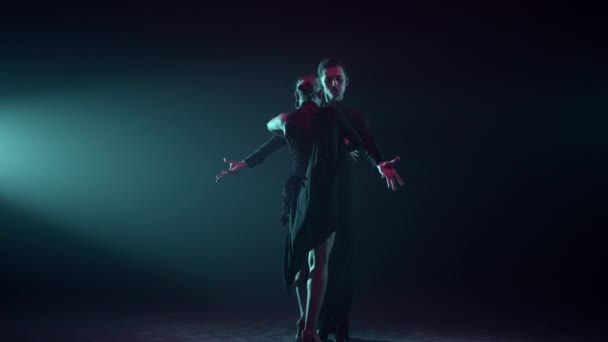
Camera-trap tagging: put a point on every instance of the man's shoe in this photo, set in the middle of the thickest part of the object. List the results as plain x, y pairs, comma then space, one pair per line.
323, 331
326, 326
342, 330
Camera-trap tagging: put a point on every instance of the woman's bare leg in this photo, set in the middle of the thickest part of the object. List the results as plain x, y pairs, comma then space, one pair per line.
300, 293
300, 285
317, 282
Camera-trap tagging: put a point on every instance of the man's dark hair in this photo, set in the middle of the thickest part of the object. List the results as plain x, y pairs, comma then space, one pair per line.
329, 63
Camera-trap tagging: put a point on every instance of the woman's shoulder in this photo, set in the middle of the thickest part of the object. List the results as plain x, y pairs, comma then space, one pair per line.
277, 123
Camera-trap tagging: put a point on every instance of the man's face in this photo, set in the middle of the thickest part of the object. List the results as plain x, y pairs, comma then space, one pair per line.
334, 82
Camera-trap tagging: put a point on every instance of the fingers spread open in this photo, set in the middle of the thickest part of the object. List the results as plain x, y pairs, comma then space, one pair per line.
224, 173
400, 180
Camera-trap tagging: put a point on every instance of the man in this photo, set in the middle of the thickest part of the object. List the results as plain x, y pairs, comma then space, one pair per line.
338, 300
338, 296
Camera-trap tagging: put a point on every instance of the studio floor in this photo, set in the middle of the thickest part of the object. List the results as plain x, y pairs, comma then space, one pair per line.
227, 326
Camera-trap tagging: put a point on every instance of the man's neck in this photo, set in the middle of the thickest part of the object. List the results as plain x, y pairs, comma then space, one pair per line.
334, 101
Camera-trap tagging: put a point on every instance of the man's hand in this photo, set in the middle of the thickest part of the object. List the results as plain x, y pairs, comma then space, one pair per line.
388, 172
354, 155
234, 167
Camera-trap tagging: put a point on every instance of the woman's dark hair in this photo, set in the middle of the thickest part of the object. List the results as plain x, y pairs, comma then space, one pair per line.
304, 88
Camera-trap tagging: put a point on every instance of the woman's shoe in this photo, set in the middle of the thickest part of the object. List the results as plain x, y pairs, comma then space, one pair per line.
300, 328
310, 336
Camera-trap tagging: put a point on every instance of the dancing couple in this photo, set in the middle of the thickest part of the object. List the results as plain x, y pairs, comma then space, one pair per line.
323, 137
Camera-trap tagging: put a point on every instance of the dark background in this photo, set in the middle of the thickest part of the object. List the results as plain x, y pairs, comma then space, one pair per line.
114, 120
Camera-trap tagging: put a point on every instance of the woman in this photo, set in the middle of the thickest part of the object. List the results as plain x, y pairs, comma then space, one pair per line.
315, 136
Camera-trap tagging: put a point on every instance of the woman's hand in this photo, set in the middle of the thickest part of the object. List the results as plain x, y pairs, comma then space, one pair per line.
234, 166
388, 172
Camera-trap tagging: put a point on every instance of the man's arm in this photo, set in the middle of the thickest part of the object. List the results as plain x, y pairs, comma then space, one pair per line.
361, 125
385, 168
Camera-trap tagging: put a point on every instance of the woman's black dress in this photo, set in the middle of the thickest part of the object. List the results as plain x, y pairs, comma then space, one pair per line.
311, 198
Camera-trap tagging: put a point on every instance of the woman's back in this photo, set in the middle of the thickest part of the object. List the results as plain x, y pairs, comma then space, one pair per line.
300, 132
